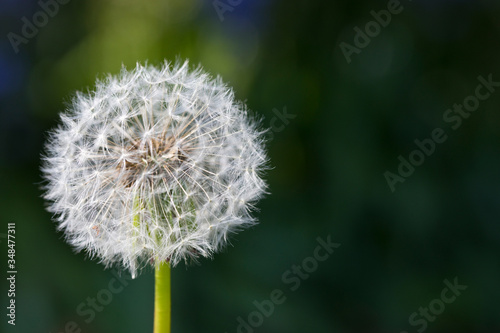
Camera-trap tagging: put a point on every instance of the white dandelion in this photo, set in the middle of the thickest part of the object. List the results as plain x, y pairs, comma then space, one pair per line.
155, 165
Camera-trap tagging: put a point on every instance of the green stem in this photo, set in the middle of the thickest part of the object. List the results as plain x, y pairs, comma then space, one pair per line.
162, 298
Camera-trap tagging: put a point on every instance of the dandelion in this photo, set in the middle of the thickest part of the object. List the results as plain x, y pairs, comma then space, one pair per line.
156, 166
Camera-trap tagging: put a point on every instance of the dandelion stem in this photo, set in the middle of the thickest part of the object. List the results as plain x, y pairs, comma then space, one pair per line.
162, 298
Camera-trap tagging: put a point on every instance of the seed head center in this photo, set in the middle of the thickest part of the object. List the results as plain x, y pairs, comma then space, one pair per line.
159, 157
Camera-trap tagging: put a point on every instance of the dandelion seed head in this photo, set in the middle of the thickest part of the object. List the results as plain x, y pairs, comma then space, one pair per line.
155, 164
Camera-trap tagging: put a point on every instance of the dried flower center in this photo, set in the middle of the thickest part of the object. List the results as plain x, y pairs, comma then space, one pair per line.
159, 157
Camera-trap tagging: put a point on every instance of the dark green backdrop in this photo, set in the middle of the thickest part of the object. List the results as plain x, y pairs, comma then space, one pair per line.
347, 124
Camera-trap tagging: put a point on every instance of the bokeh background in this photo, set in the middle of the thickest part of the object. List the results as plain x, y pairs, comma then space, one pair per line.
349, 123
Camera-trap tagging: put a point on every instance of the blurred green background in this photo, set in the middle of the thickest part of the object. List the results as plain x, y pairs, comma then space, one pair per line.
350, 123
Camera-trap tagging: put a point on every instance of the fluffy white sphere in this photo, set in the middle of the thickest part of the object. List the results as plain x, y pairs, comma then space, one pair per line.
157, 164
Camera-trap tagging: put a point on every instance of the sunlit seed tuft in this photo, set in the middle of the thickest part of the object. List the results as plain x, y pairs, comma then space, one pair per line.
156, 164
